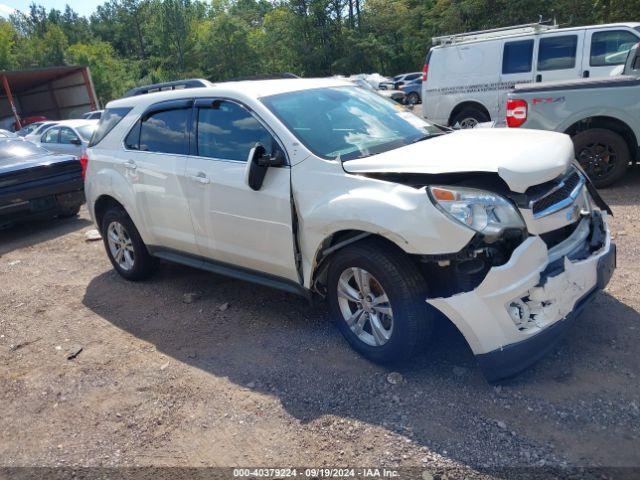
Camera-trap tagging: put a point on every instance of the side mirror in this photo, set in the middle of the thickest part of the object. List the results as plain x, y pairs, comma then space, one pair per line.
258, 163
75, 141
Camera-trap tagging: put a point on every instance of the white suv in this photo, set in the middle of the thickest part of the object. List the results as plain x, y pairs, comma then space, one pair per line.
323, 188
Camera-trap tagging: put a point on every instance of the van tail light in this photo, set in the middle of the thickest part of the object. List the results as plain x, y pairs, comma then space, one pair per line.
516, 112
84, 162
425, 72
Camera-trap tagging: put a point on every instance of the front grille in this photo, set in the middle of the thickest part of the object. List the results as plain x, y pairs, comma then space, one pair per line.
559, 195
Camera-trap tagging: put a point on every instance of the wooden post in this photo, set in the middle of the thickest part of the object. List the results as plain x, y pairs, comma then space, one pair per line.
87, 82
7, 91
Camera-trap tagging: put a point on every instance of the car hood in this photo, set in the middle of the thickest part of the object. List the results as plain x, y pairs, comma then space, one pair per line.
522, 158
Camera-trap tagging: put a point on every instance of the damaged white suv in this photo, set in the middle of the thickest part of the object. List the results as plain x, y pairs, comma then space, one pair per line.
323, 188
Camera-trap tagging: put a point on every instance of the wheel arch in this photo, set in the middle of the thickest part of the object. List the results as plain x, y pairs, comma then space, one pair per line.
609, 123
468, 103
102, 204
336, 241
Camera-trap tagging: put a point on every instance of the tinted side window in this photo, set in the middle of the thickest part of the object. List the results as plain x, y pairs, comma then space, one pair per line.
132, 142
67, 135
413, 76
557, 53
611, 48
109, 119
230, 132
51, 136
517, 56
165, 132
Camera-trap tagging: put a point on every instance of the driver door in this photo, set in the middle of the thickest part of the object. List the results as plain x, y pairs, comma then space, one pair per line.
233, 223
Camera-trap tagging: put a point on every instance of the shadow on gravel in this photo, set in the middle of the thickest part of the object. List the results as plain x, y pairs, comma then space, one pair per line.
625, 191
27, 234
274, 343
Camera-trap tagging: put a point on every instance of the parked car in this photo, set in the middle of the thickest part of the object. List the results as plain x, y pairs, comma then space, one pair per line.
467, 77
321, 188
412, 91
399, 80
28, 121
395, 95
602, 116
34, 134
68, 136
24, 131
94, 115
35, 183
7, 134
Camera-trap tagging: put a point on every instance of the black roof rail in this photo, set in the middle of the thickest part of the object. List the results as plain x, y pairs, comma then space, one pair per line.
265, 76
163, 86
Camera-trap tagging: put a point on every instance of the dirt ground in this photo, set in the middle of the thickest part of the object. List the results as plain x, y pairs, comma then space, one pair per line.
248, 376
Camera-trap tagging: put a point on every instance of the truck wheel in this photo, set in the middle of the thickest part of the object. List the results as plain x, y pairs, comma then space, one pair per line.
377, 298
125, 248
69, 212
469, 117
603, 154
413, 98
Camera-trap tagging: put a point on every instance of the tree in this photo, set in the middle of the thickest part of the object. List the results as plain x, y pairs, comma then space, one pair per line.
7, 45
111, 75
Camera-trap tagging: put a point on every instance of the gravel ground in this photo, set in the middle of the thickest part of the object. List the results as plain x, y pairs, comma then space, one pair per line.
96, 371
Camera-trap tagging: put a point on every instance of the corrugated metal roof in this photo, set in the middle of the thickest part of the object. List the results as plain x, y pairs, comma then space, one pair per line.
21, 80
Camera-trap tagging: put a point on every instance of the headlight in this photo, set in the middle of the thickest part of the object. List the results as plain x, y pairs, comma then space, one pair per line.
483, 211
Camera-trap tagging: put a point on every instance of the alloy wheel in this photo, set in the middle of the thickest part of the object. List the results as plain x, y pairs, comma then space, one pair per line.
365, 306
597, 159
120, 245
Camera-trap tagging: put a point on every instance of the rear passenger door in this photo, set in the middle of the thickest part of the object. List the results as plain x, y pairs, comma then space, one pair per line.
559, 56
607, 49
233, 223
156, 151
517, 67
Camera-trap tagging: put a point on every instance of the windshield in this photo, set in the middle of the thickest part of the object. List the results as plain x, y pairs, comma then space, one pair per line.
19, 149
348, 122
28, 129
86, 131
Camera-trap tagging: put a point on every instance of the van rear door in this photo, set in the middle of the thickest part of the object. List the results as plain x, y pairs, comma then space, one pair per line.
517, 67
559, 56
606, 48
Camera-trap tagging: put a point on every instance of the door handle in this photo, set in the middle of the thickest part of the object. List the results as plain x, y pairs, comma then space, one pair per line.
200, 177
538, 78
585, 74
130, 164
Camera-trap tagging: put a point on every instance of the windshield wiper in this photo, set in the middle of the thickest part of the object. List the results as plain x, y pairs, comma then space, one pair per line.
426, 136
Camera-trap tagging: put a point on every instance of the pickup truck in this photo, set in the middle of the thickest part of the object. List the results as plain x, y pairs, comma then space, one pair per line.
35, 183
602, 116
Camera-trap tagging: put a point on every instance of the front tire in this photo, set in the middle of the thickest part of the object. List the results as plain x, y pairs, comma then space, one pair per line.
603, 154
126, 250
377, 298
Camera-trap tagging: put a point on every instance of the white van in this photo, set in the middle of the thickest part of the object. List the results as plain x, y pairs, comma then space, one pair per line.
466, 77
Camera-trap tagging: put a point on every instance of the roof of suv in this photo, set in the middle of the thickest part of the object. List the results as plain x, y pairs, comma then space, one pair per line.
250, 88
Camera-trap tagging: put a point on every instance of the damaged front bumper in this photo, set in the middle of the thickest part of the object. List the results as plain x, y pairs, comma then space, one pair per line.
521, 308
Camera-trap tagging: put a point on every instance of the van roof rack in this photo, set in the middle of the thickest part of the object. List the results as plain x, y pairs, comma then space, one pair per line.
493, 33
163, 86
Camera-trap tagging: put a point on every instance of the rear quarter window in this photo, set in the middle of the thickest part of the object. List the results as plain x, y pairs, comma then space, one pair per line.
109, 119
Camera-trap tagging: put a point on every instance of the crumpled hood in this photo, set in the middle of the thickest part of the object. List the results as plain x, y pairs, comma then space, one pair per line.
522, 158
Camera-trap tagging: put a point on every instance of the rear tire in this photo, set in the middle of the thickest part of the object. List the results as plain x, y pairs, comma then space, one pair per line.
126, 250
603, 154
413, 98
69, 212
385, 331
469, 117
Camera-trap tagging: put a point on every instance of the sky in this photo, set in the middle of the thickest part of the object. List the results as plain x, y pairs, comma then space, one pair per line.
83, 7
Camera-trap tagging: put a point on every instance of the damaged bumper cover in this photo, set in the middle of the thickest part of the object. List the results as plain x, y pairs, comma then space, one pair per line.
521, 308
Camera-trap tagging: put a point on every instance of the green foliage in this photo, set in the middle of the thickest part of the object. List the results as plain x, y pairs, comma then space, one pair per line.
129, 42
